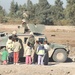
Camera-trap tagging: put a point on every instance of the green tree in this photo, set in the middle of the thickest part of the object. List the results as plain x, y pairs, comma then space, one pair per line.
59, 10
31, 10
2, 14
70, 11
13, 9
16, 7
43, 12
21, 9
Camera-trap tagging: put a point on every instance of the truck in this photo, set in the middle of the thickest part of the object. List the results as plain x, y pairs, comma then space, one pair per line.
58, 52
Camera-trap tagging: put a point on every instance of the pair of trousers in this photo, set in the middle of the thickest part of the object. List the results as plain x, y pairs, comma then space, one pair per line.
10, 57
46, 58
16, 55
40, 59
28, 59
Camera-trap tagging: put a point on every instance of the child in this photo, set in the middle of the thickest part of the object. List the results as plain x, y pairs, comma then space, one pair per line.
4, 56
40, 52
28, 53
9, 47
16, 47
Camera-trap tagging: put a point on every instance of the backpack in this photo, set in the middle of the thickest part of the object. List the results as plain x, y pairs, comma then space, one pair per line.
41, 47
41, 50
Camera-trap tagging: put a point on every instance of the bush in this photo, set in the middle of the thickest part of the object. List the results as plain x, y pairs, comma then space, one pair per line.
62, 22
4, 20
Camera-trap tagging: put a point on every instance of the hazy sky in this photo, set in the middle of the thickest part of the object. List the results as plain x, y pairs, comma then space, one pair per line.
6, 3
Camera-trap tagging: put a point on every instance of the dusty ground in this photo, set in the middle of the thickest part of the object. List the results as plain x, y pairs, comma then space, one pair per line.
57, 34
51, 69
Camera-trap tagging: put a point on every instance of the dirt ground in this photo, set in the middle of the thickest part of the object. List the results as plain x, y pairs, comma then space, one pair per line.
51, 69
57, 34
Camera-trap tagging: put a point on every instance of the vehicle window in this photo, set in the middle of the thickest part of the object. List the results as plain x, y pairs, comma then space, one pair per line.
2, 35
25, 39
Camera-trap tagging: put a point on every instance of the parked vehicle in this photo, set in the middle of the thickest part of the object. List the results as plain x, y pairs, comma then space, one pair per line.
58, 52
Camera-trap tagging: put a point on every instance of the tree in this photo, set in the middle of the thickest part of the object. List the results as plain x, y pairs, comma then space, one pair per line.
59, 10
70, 11
31, 10
2, 14
43, 10
21, 9
16, 7
13, 9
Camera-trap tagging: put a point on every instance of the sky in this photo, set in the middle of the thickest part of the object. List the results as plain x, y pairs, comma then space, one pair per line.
6, 3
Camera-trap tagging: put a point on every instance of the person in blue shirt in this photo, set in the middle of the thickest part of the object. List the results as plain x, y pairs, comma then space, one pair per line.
40, 52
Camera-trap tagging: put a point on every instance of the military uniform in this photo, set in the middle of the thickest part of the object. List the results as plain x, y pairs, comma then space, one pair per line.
23, 28
32, 42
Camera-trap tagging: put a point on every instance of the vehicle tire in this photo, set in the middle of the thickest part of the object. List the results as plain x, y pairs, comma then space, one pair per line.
60, 55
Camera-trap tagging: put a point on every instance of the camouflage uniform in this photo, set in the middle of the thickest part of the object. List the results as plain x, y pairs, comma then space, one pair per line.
22, 28
32, 42
24, 25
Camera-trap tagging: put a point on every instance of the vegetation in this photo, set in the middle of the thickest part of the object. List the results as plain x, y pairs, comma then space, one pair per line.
42, 12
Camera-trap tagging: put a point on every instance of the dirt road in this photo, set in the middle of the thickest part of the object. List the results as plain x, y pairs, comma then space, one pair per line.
51, 69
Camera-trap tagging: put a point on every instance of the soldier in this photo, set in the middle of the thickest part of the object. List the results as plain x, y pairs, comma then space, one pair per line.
23, 27
32, 42
24, 24
24, 21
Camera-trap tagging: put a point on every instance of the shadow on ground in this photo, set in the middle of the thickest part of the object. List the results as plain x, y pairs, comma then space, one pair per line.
69, 60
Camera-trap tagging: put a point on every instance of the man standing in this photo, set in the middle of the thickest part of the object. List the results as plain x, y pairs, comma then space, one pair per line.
23, 28
46, 57
24, 25
32, 42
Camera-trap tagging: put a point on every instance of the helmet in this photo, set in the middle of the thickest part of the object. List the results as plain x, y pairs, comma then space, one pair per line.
31, 33
14, 32
23, 20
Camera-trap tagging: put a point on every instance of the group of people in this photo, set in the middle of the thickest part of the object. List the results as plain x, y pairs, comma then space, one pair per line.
34, 51
11, 51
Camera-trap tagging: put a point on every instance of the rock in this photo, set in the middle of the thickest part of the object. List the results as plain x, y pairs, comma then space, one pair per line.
7, 72
68, 72
51, 70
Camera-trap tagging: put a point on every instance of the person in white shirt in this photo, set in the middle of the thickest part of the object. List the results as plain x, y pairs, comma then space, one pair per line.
46, 57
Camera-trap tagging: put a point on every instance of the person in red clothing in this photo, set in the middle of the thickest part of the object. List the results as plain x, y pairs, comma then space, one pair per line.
17, 48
